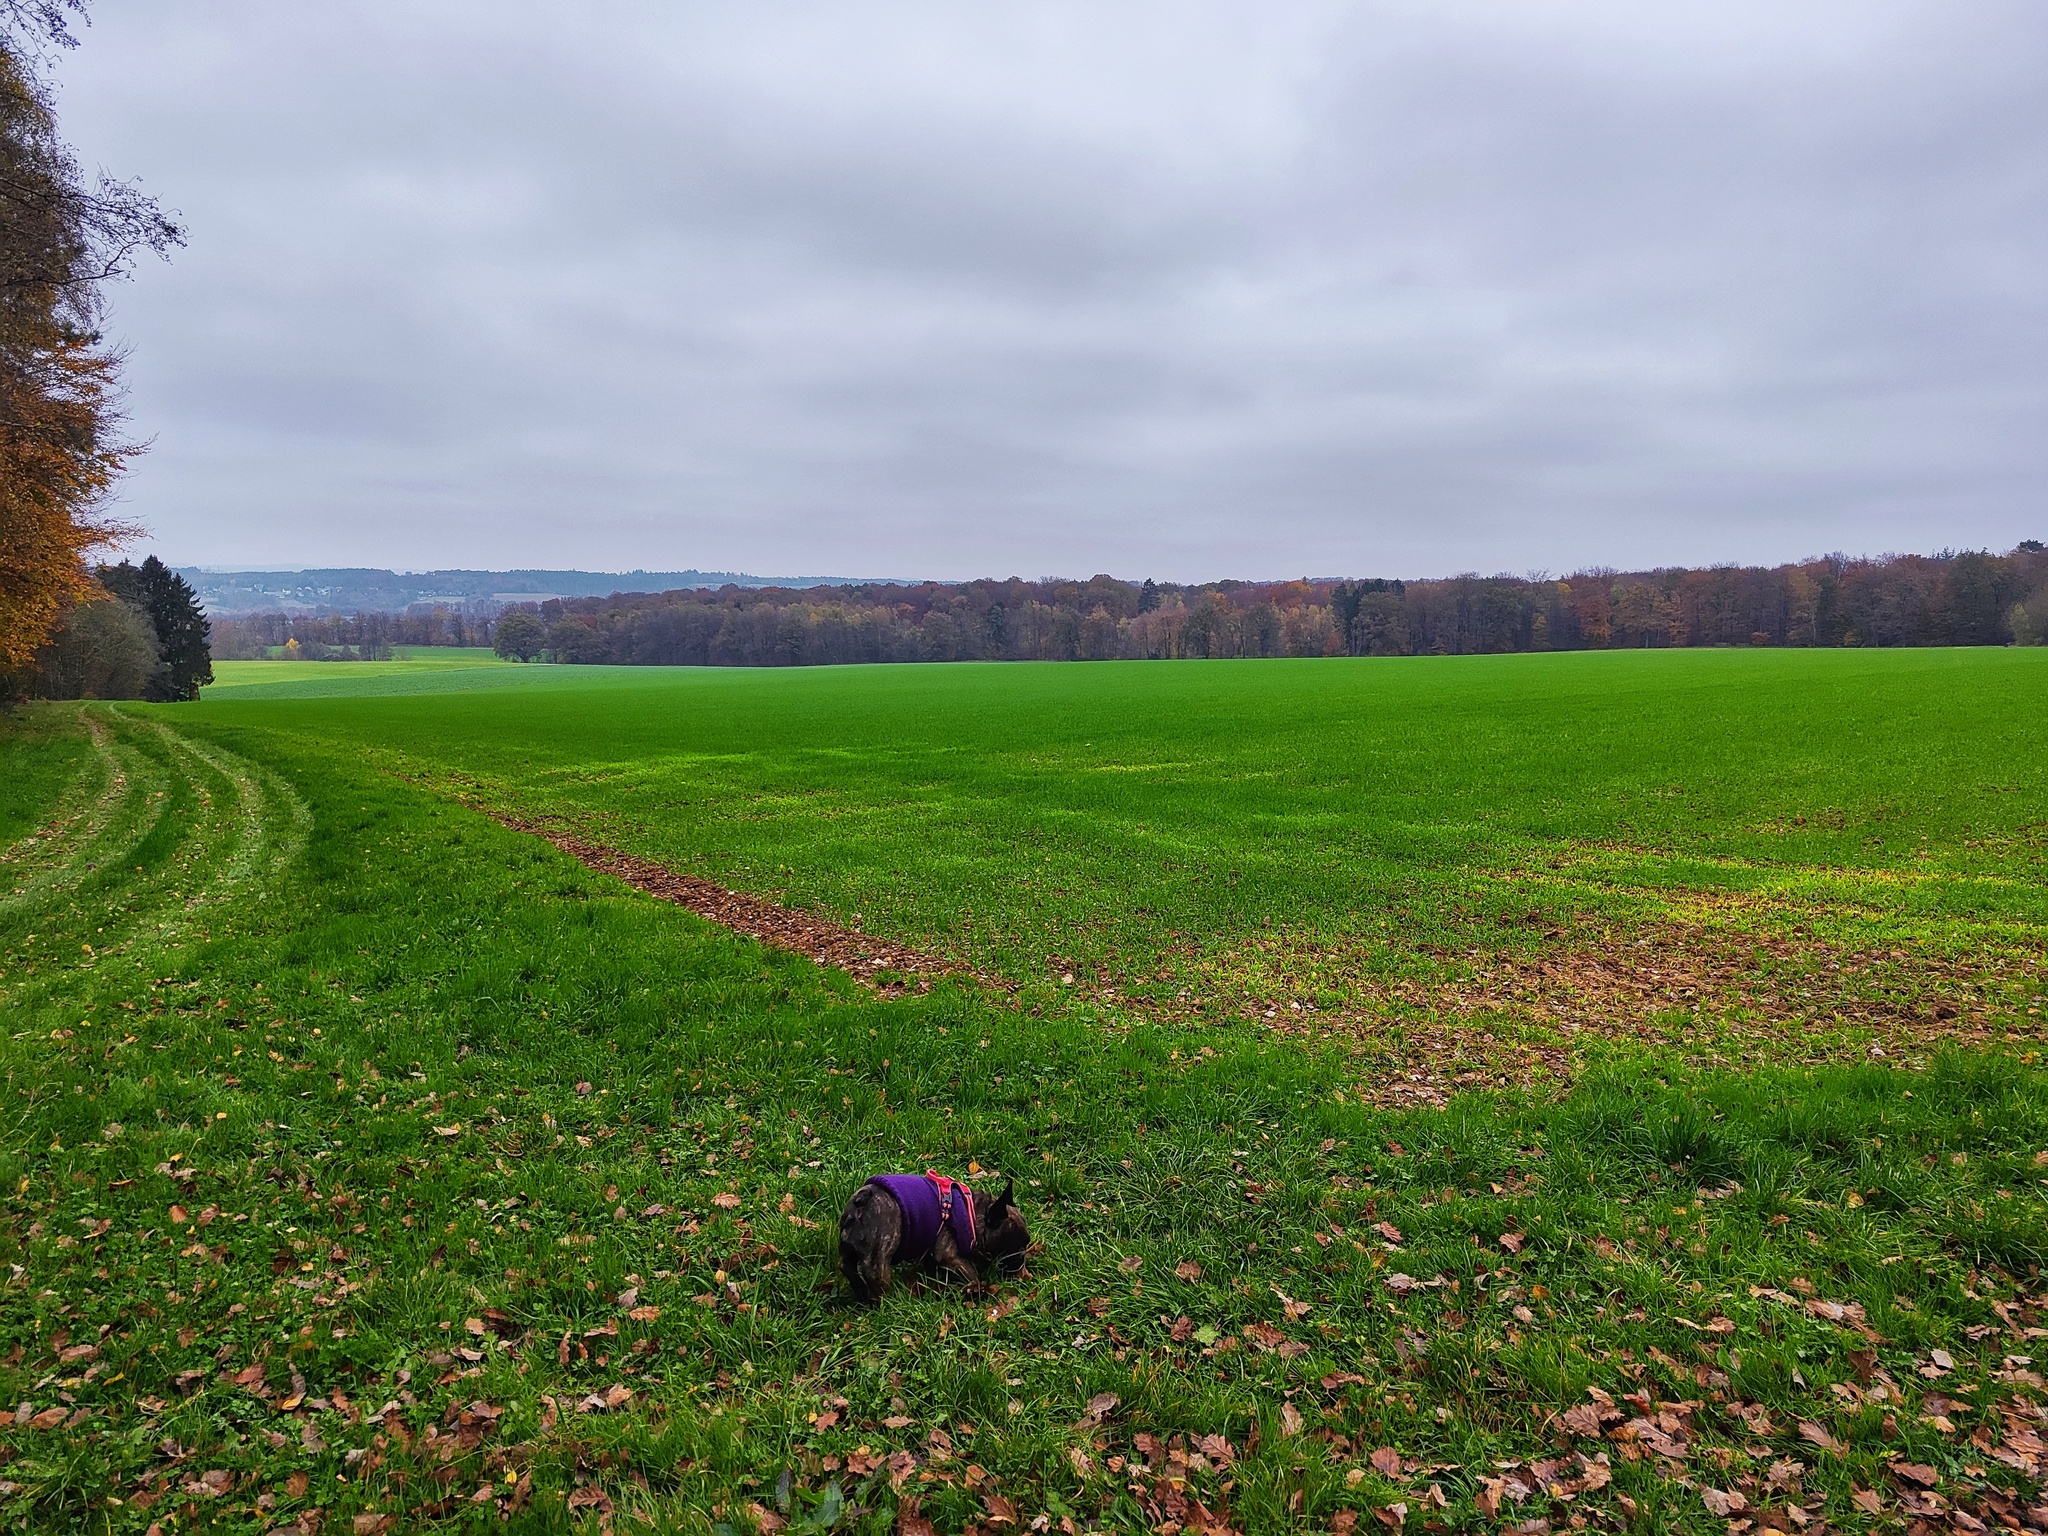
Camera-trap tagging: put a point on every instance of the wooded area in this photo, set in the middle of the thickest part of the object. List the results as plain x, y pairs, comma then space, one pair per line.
1954, 599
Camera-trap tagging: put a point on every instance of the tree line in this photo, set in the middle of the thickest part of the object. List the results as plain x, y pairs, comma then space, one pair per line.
1971, 598
347, 637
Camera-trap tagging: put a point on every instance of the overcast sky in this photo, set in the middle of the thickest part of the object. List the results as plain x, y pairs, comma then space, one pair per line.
1180, 289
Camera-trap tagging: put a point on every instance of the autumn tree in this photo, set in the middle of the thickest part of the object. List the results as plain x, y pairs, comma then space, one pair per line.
520, 635
61, 240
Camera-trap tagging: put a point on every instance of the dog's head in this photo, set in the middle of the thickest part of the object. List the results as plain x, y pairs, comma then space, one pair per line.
1000, 1237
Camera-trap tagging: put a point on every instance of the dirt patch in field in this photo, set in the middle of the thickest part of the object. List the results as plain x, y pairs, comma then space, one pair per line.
890, 969
1723, 998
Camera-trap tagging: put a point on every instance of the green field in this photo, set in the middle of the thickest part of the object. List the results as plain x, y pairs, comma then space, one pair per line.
333, 1093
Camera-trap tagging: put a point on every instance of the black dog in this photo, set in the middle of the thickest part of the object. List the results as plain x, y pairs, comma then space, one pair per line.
909, 1219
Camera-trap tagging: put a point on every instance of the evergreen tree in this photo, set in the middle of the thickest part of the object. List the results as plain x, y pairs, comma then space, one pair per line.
166, 600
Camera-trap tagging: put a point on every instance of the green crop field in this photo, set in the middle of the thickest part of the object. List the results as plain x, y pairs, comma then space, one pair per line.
1531, 1092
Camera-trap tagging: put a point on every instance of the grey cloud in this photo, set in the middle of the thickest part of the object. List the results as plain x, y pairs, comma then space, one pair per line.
1182, 290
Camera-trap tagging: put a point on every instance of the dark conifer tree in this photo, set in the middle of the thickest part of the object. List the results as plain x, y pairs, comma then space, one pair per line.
161, 595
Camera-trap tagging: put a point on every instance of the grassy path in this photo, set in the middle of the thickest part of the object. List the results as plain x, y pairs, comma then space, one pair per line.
155, 836
377, 1167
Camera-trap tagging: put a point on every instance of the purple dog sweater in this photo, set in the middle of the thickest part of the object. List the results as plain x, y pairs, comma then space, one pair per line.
919, 1197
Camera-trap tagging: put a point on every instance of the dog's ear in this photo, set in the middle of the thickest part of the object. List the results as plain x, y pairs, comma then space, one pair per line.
1005, 1200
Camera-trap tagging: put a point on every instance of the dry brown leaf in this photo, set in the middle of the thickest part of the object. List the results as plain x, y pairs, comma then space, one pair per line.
1810, 1431
1583, 1419
1724, 1504
1188, 1270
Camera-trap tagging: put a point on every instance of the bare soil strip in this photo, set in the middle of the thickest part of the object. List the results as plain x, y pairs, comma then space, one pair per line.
873, 962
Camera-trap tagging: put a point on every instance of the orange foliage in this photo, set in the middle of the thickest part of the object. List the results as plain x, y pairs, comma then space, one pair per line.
55, 471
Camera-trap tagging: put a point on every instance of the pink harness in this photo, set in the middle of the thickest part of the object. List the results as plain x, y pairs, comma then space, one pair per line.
946, 1188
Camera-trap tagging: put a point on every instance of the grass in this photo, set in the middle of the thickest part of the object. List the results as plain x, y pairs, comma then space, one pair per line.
330, 1093
1830, 851
411, 666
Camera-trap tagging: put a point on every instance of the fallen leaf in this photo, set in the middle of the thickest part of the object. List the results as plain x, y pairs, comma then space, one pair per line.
1808, 1430
1100, 1404
725, 1200
1512, 1241
449, 1130
1389, 1231
1386, 1461
1584, 1419
1719, 1503
1914, 1472
644, 1314
1188, 1270
1290, 1419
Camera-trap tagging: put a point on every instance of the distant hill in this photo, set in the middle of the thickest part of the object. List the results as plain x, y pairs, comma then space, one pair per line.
351, 590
